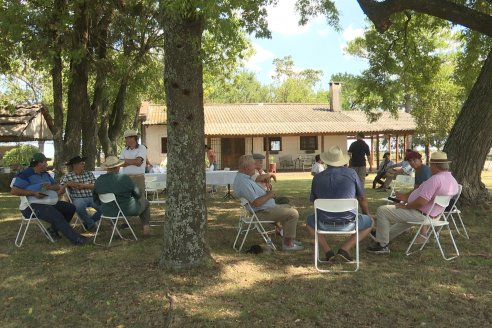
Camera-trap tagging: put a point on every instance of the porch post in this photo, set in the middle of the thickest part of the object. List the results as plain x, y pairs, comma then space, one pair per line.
397, 150
377, 152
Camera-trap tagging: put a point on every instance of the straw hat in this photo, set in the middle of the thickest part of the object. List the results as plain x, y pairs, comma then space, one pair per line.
439, 157
335, 157
112, 161
131, 133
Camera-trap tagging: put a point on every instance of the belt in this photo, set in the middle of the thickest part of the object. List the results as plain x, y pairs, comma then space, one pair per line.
432, 217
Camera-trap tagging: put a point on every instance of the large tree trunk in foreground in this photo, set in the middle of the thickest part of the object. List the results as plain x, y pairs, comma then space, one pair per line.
186, 214
470, 138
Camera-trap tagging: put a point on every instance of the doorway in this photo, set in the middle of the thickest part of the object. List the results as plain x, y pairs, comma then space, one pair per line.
232, 149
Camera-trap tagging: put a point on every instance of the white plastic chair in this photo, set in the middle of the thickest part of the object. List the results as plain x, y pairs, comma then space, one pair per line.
336, 206
455, 211
154, 187
248, 221
438, 222
77, 221
108, 198
25, 222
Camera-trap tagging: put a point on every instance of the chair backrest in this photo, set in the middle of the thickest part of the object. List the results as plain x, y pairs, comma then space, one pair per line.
150, 178
155, 185
442, 201
456, 197
405, 180
336, 205
246, 205
107, 198
12, 182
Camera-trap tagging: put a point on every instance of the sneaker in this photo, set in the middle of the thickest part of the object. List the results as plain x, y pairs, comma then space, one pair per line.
81, 241
53, 233
379, 249
344, 256
292, 248
330, 255
124, 226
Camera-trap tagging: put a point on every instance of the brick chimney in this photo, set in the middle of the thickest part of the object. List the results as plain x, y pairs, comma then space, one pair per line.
336, 96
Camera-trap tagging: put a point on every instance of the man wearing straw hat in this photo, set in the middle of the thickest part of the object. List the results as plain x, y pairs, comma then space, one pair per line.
338, 182
126, 192
417, 205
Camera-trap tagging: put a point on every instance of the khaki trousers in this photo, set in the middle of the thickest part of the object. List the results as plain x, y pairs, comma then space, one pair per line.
139, 181
361, 172
387, 214
285, 214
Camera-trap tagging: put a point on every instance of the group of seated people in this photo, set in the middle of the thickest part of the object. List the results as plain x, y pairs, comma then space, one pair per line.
43, 192
340, 182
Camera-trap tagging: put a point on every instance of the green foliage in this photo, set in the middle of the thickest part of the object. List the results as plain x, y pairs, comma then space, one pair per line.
20, 155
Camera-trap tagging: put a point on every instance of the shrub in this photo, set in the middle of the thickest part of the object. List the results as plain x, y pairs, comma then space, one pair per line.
19, 155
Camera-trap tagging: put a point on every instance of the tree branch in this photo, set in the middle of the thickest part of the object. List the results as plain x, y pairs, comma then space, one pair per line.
380, 12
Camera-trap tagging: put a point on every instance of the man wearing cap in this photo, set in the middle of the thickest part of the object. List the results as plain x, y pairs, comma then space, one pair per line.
127, 193
42, 193
358, 151
263, 203
401, 168
338, 182
261, 177
80, 184
417, 205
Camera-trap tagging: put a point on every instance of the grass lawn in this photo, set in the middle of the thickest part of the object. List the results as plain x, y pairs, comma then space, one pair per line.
58, 285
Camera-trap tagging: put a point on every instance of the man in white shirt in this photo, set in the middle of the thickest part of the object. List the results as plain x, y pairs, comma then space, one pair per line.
135, 157
318, 166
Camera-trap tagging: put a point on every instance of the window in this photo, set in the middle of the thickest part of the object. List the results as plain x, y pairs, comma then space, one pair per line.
164, 145
275, 144
309, 143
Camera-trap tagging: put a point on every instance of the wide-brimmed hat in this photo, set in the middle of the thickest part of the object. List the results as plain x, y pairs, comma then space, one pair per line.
257, 157
439, 157
412, 155
112, 161
130, 133
76, 160
39, 157
335, 157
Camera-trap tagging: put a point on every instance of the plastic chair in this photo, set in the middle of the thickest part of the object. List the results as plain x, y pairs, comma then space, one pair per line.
248, 221
108, 198
455, 211
25, 222
154, 187
438, 222
77, 221
335, 206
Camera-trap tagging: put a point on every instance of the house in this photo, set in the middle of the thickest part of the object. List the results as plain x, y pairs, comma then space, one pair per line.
288, 132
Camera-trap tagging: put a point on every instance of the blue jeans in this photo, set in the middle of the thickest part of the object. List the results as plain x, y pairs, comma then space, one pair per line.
81, 205
365, 222
59, 215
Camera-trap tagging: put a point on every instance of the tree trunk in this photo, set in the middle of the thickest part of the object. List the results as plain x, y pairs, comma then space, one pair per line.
470, 138
184, 238
78, 98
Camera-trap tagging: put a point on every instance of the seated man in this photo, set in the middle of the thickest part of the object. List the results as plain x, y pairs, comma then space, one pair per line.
397, 169
383, 168
318, 166
263, 203
41, 191
337, 182
418, 204
126, 192
80, 184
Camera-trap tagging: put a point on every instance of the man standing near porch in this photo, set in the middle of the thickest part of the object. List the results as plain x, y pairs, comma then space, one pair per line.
358, 151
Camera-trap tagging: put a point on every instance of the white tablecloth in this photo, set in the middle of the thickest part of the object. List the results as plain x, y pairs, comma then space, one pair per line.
220, 178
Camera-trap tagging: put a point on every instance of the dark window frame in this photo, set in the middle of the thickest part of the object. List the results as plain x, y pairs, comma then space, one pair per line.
308, 142
270, 139
163, 145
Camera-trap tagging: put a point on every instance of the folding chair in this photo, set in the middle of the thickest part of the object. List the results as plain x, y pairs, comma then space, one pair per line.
248, 221
438, 222
77, 221
153, 188
108, 198
25, 224
336, 206
455, 211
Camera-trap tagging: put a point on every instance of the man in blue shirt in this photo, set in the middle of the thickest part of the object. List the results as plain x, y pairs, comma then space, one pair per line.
263, 203
42, 194
338, 182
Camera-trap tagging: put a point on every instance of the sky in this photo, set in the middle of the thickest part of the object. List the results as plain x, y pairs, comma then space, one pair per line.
315, 45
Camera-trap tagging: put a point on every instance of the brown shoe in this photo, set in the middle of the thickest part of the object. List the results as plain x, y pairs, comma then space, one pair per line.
146, 230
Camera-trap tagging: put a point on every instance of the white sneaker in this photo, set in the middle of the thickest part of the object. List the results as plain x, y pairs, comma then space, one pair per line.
292, 248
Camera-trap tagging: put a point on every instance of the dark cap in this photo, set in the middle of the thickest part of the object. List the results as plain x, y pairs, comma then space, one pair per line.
39, 157
76, 160
412, 155
257, 157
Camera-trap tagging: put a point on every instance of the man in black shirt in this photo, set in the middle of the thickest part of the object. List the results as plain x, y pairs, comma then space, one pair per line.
358, 151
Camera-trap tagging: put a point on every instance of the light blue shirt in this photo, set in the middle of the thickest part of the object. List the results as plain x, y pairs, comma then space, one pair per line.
246, 187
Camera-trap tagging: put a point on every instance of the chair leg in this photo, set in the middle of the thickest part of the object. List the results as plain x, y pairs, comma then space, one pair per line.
17, 242
131, 229
44, 231
239, 231
463, 226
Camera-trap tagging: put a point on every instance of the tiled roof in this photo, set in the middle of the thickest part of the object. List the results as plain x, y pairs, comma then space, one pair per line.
285, 119
24, 123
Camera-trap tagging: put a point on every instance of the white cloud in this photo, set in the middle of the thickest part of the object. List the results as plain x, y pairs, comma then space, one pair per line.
261, 55
350, 33
283, 19
323, 31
